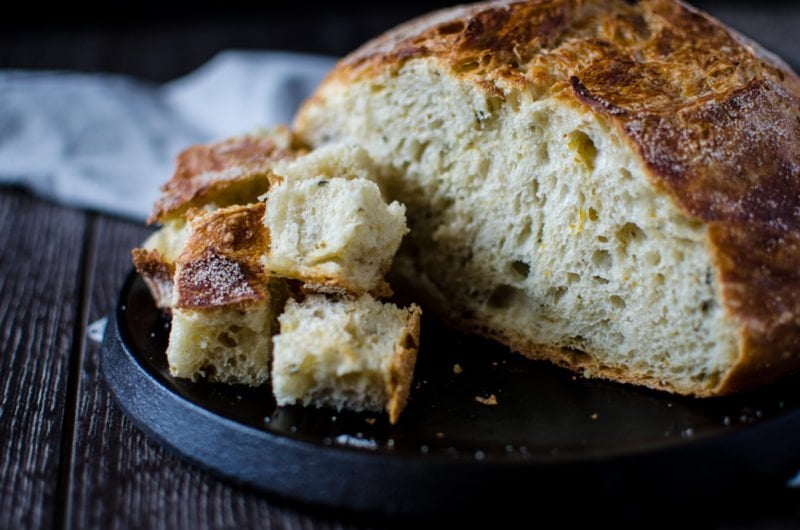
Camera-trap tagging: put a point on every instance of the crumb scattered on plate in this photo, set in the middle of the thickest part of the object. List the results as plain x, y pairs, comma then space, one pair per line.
457, 369
491, 400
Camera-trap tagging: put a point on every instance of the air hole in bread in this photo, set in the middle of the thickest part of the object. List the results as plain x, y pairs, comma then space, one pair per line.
227, 340
494, 104
520, 268
601, 259
513, 97
542, 153
556, 293
576, 354
483, 167
417, 150
525, 232
466, 66
652, 258
617, 301
573, 278
630, 232
577, 341
583, 147
452, 27
502, 297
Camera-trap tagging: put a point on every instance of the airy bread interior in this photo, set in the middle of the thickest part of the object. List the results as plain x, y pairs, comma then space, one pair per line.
333, 234
533, 221
222, 344
348, 353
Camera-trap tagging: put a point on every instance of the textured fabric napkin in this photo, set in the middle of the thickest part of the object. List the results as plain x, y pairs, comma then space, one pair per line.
107, 142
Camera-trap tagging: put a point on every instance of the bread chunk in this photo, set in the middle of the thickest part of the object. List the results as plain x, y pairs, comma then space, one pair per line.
225, 306
337, 235
232, 171
612, 186
356, 354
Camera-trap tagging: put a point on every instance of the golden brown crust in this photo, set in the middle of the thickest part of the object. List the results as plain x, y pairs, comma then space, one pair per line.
233, 171
156, 273
401, 372
761, 285
220, 264
715, 119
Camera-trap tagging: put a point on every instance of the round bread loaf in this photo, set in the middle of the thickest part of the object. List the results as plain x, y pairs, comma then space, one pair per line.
612, 186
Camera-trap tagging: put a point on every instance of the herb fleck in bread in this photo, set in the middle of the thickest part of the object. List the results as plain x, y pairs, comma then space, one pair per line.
611, 186
348, 353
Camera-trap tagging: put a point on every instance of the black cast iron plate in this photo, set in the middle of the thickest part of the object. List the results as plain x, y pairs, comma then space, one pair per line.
551, 434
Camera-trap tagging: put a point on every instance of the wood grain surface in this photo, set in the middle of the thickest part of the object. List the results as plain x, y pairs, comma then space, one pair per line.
40, 294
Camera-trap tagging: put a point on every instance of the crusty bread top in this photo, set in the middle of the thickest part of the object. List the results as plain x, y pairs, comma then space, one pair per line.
714, 118
203, 173
220, 265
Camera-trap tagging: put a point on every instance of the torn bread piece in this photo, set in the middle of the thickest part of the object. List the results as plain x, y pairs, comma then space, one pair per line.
337, 235
357, 354
232, 171
155, 261
207, 177
225, 306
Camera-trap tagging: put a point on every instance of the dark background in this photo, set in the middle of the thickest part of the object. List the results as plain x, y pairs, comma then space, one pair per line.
164, 40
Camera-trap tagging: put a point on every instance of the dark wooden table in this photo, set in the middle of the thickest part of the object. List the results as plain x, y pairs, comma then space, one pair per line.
68, 457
